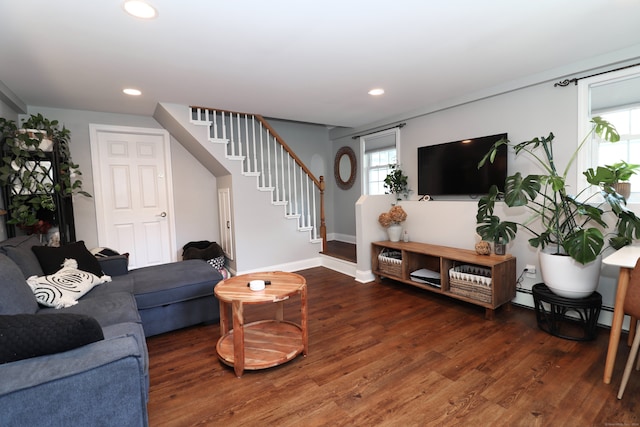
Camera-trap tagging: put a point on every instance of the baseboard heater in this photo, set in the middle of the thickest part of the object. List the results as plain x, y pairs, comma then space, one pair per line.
528, 292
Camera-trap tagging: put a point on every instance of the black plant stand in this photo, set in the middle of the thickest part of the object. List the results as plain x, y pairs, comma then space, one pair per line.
555, 320
48, 171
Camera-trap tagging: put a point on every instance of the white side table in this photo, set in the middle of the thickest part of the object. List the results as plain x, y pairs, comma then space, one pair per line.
626, 259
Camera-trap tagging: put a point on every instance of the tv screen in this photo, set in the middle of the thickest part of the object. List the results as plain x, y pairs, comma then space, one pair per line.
452, 168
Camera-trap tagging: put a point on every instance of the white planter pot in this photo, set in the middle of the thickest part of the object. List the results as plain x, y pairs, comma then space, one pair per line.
394, 231
566, 277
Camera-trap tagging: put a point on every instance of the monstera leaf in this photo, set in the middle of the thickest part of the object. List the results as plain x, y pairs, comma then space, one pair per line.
519, 191
584, 245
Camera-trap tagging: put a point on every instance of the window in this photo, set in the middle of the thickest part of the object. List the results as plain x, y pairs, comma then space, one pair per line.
627, 123
379, 151
614, 96
377, 166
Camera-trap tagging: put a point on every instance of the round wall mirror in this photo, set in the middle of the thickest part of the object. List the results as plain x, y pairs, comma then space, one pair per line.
345, 167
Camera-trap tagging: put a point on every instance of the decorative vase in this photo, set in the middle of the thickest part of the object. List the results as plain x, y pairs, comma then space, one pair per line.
394, 231
566, 277
499, 247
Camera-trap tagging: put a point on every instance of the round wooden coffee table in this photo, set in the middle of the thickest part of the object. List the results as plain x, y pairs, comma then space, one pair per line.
265, 343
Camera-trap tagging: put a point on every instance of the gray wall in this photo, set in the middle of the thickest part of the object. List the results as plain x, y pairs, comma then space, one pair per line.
343, 213
523, 114
194, 188
195, 195
311, 144
9, 114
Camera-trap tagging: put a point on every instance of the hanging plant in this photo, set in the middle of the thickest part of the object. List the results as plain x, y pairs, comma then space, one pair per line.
30, 183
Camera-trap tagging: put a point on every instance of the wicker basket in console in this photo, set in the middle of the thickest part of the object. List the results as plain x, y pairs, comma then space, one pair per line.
390, 262
471, 281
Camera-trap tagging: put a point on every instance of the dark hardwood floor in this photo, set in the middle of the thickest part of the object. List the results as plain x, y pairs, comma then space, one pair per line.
389, 354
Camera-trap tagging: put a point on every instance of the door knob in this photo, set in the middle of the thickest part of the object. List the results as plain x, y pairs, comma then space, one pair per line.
163, 214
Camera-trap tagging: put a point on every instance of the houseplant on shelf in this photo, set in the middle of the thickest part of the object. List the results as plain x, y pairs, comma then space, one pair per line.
396, 182
613, 177
566, 228
392, 221
28, 175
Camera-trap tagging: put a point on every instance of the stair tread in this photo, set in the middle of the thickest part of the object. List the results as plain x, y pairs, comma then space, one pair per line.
313, 238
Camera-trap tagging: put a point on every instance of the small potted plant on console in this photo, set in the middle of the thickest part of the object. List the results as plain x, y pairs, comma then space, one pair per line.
396, 182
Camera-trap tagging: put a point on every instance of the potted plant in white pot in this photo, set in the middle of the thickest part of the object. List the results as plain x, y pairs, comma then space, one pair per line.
392, 221
568, 229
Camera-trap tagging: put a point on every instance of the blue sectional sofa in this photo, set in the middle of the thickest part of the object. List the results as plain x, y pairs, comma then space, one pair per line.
87, 364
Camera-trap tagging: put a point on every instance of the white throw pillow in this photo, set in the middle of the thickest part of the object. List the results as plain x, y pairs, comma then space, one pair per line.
64, 287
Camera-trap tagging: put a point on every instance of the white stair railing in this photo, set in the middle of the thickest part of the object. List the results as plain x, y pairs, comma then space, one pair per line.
264, 154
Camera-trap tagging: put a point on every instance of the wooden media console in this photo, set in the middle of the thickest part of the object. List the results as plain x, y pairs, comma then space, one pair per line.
485, 280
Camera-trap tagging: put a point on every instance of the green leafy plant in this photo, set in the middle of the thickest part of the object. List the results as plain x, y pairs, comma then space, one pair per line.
609, 175
31, 184
572, 224
396, 182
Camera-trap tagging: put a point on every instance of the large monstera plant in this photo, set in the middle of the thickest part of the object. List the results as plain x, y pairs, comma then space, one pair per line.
570, 224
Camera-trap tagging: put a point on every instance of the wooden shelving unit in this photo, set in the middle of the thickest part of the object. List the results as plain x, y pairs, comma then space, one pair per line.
441, 259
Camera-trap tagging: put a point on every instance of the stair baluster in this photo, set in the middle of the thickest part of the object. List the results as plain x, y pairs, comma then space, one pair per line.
263, 154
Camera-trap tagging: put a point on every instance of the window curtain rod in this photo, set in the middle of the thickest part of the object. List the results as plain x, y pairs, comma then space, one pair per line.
575, 80
400, 125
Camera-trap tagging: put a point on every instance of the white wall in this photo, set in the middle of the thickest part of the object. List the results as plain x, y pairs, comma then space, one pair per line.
195, 198
260, 233
263, 237
523, 114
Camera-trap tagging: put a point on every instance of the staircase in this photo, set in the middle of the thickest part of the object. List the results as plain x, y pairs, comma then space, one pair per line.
250, 140
270, 186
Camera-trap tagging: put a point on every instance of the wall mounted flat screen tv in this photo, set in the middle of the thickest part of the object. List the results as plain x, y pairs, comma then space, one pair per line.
451, 168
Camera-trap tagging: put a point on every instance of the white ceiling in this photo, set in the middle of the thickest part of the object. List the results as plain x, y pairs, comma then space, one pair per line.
298, 60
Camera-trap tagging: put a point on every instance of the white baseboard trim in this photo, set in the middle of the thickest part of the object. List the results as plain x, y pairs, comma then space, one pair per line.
339, 265
364, 276
289, 267
346, 238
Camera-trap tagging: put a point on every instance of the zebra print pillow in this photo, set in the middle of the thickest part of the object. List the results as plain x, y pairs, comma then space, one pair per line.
66, 286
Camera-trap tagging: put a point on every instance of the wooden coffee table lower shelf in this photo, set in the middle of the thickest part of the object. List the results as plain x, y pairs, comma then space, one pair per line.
267, 343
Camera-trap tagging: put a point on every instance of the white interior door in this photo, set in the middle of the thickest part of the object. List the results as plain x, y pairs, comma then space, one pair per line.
226, 231
132, 186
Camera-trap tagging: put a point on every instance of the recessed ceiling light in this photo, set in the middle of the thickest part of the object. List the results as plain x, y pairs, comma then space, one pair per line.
376, 92
140, 9
133, 92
